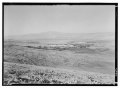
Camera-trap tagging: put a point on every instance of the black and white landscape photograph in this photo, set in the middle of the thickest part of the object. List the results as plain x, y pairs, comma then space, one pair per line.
59, 44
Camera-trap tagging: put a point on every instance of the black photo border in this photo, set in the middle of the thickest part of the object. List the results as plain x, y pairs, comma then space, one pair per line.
54, 3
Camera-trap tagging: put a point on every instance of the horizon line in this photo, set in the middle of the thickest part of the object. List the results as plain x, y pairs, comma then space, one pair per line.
55, 32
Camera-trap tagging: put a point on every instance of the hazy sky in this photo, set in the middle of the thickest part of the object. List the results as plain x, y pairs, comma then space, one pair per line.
62, 18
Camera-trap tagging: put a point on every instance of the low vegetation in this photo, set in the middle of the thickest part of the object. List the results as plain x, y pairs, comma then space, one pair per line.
29, 74
28, 64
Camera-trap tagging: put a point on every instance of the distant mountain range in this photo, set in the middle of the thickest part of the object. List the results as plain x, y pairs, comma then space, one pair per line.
59, 35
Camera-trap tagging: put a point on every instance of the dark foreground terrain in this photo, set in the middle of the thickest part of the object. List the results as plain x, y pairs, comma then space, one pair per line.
31, 74
59, 61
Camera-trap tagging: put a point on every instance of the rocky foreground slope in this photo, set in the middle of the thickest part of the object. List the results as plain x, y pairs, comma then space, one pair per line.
15, 73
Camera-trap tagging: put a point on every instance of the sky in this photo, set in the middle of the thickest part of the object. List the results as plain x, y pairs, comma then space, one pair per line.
20, 20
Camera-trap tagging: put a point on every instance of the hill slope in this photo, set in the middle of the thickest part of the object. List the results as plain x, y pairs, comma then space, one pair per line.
30, 74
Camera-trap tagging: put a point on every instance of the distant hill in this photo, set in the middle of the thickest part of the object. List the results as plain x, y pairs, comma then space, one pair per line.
59, 35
